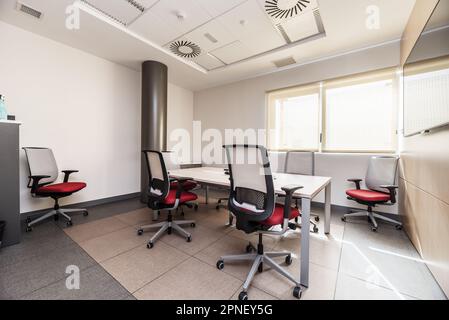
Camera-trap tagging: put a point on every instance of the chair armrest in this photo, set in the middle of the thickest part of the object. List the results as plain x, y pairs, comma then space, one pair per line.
392, 190
67, 174
357, 182
289, 190
35, 182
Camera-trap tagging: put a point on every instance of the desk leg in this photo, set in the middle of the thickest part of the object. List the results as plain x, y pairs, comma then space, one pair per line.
327, 210
305, 235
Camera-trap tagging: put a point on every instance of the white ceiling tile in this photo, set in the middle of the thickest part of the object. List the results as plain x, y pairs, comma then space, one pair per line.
218, 7
209, 62
154, 28
211, 36
119, 9
248, 20
146, 3
232, 52
301, 27
194, 15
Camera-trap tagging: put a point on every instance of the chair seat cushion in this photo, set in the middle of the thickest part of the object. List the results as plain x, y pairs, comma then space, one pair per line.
68, 187
368, 195
278, 216
185, 197
187, 186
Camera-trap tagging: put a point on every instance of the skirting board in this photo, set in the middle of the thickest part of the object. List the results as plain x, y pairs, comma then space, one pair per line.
87, 204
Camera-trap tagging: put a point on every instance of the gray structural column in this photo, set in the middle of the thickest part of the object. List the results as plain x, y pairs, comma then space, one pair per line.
154, 114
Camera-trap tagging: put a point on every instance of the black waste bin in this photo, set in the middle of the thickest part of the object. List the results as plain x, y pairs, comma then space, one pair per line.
2, 230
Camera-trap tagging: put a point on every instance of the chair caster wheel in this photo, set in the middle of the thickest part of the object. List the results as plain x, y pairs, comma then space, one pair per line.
195, 207
220, 264
189, 239
28, 220
297, 292
374, 229
243, 296
85, 213
249, 248
288, 260
317, 219
343, 219
398, 227
150, 245
69, 223
139, 232
315, 229
28, 229
192, 225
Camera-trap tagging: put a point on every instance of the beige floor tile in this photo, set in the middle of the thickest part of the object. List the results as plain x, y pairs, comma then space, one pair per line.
84, 232
254, 294
349, 288
322, 282
325, 250
191, 280
136, 268
136, 217
390, 270
112, 244
227, 246
201, 238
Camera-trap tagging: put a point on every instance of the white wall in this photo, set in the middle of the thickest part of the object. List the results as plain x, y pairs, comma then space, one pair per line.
242, 105
85, 108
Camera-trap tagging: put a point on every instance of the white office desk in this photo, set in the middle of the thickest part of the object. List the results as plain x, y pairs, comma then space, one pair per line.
312, 186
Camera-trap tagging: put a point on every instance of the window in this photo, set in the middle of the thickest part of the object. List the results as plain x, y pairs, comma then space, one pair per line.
293, 119
359, 114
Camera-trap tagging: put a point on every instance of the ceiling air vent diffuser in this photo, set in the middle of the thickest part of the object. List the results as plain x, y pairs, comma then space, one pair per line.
28, 10
285, 9
185, 49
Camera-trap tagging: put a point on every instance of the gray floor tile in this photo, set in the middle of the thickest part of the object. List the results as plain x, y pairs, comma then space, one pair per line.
38, 271
95, 284
43, 239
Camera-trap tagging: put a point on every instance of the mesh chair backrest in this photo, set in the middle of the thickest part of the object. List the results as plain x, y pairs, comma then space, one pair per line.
252, 189
41, 162
159, 183
300, 163
171, 161
381, 171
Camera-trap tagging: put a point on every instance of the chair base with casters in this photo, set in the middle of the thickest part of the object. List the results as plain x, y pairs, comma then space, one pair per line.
371, 218
222, 203
55, 213
258, 259
168, 227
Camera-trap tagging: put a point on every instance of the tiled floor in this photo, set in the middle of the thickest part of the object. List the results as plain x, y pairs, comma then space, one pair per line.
114, 263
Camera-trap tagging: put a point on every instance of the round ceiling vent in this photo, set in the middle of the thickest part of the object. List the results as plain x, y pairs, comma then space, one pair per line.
284, 9
185, 49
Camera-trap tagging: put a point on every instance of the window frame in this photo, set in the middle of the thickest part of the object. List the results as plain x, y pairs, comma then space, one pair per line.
306, 89
391, 73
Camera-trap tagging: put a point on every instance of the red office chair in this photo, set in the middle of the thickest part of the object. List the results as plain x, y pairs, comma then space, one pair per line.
43, 172
380, 180
161, 197
252, 201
